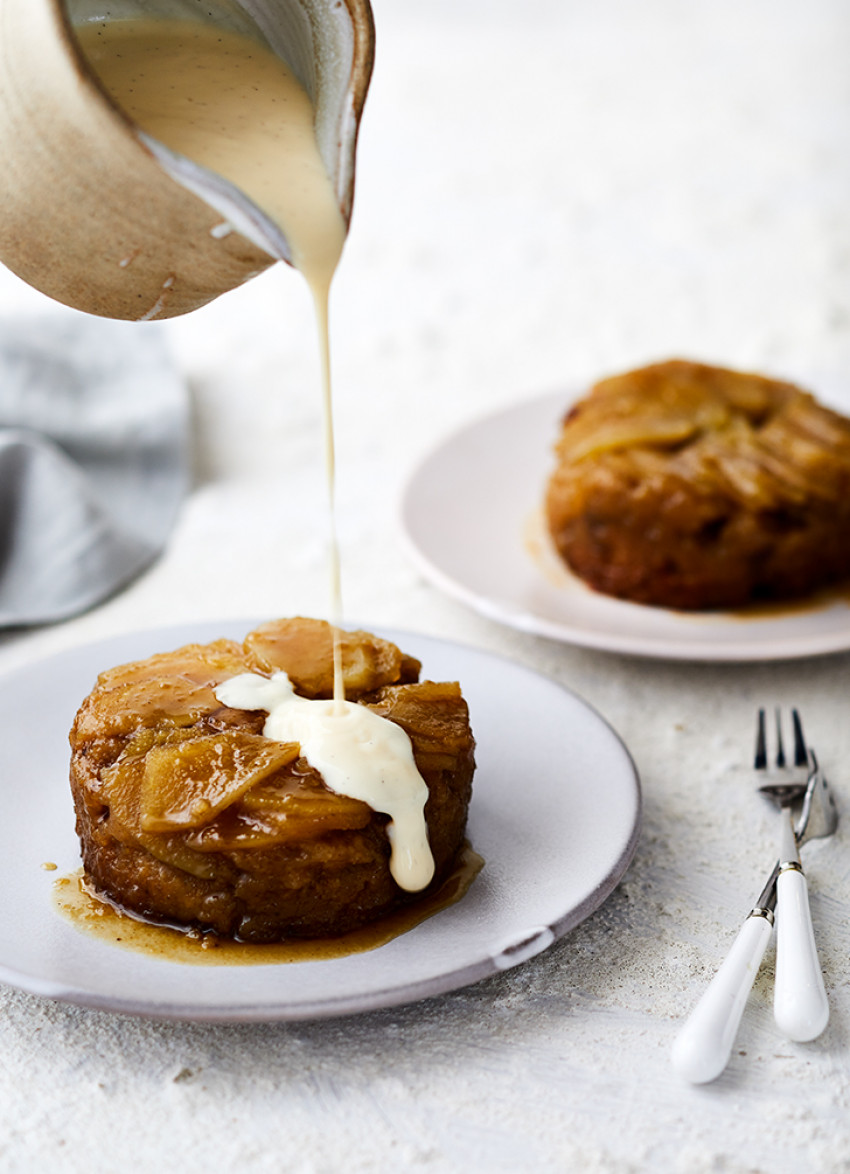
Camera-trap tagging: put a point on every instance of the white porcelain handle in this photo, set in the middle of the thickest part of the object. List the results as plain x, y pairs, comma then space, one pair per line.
800, 1006
704, 1044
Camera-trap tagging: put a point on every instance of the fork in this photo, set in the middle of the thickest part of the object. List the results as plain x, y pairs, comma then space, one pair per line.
800, 1005
704, 1043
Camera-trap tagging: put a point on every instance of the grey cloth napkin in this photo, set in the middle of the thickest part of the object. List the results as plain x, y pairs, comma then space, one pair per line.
94, 439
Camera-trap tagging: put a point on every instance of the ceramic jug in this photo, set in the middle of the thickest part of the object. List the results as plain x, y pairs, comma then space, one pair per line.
100, 217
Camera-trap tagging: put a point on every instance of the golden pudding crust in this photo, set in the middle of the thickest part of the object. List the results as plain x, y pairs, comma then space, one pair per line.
693, 487
187, 814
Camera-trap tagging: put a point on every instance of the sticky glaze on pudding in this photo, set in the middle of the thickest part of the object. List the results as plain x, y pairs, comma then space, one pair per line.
189, 814
690, 486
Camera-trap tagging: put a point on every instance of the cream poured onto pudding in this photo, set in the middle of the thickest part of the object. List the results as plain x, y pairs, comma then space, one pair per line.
357, 753
230, 104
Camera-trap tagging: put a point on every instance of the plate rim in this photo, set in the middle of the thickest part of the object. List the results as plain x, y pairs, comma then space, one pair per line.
723, 650
343, 1005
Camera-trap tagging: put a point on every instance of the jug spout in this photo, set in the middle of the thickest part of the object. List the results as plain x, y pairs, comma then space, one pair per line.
101, 216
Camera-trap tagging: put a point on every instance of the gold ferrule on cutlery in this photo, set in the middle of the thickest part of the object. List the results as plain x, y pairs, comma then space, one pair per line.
789, 866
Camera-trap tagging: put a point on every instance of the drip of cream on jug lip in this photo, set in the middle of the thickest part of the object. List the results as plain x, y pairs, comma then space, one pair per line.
231, 105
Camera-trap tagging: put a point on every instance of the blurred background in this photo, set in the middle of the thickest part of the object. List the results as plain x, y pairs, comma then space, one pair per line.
547, 192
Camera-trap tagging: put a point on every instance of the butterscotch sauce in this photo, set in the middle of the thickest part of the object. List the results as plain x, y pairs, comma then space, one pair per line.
107, 923
540, 548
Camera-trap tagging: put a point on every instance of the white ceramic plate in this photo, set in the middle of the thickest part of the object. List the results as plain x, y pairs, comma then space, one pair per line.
555, 814
472, 516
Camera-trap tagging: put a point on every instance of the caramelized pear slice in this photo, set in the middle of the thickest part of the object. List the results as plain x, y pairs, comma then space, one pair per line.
121, 790
293, 805
242, 828
173, 687
317, 806
433, 714
188, 784
303, 648
662, 433
238, 830
122, 786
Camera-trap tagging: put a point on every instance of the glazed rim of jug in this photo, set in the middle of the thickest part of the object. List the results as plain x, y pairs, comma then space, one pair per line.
312, 38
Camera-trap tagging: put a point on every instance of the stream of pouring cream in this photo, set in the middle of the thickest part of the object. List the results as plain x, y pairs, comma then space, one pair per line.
228, 103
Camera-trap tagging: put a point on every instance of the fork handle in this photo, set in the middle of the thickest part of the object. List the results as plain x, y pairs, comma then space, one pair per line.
800, 1006
703, 1046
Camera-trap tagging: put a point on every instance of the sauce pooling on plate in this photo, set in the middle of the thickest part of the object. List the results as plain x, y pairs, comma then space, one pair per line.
94, 916
231, 105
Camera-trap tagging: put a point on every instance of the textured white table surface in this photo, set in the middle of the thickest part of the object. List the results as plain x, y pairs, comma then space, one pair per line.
547, 191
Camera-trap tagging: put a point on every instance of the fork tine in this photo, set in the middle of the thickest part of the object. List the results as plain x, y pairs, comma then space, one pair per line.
801, 754
761, 746
780, 749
